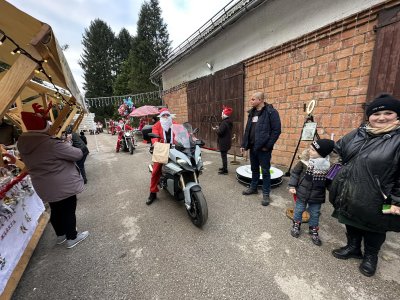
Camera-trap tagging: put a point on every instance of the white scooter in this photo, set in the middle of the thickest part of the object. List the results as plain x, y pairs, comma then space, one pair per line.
180, 175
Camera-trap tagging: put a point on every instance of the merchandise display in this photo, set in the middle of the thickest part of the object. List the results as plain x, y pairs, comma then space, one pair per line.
20, 210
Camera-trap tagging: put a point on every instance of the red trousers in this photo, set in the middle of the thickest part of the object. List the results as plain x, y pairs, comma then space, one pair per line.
155, 177
119, 141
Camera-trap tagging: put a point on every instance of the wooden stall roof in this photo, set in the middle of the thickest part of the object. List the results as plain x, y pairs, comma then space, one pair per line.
37, 39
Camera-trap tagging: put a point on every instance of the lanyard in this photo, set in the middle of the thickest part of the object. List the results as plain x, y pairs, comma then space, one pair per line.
165, 137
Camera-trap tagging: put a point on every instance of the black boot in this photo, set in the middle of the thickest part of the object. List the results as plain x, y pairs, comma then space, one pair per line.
351, 250
266, 200
313, 231
368, 265
295, 231
152, 197
223, 172
373, 242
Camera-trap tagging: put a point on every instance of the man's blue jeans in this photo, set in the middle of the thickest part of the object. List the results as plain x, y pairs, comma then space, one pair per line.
313, 209
263, 159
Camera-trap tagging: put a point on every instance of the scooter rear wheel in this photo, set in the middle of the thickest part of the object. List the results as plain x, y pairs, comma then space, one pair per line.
198, 211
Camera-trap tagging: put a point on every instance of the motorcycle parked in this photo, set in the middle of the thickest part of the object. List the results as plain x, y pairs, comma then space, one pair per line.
127, 142
180, 175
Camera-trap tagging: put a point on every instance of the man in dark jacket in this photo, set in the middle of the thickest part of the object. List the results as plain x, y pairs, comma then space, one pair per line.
83, 137
224, 132
78, 143
262, 131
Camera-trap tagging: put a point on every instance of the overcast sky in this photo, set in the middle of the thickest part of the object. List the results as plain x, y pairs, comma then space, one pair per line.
69, 18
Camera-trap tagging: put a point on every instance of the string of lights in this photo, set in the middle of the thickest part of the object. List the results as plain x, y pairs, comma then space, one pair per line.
19, 50
154, 96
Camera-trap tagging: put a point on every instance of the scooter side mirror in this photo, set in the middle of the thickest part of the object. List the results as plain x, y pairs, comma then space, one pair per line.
200, 143
153, 135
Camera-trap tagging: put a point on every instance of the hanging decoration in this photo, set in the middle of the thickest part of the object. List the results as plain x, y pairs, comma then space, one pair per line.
126, 107
129, 100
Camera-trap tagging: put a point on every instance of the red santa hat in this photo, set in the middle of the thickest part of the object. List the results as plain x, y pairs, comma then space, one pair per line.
227, 111
37, 120
164, 111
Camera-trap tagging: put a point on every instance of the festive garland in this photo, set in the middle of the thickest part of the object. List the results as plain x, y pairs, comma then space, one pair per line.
13, 182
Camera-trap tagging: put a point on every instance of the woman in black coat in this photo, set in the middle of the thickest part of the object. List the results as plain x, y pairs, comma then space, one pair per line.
368, 180
224, 132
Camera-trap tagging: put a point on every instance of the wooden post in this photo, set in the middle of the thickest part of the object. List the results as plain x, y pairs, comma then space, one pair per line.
234, 161
60, 120
78, 121
71, 115
14, 81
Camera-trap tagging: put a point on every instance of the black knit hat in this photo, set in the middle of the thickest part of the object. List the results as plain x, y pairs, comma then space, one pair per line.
323, 146
383, 102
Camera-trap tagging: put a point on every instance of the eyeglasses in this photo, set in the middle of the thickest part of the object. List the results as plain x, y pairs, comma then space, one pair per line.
166, 115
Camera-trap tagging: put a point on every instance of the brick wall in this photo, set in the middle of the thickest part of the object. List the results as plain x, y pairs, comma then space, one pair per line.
330, 68
176, 100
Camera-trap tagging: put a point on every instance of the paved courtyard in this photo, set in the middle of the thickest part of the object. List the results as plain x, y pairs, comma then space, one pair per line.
245, 251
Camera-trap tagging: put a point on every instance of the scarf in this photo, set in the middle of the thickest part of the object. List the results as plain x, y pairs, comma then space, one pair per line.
317, 168
377, 131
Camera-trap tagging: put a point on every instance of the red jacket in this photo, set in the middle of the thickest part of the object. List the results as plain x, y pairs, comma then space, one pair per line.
157, 129
123, 127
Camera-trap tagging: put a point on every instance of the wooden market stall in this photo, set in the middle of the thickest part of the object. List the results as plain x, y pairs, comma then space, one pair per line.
33, 69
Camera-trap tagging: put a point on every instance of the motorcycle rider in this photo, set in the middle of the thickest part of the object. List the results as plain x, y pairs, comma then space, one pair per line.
121, 128
111, 126
163, 129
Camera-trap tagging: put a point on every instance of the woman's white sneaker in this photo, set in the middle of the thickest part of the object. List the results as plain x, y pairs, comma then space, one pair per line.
61, 239
79, 238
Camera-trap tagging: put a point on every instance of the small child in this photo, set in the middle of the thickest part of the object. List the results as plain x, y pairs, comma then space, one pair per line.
307, 181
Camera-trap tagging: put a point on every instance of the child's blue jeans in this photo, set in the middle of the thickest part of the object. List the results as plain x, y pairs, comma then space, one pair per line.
313, 209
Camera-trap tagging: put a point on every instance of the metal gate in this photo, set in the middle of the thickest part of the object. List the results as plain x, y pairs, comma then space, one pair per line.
385, 70
207, 95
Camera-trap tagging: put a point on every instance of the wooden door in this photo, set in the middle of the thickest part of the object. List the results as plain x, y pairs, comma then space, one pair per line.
385, 69
206, 97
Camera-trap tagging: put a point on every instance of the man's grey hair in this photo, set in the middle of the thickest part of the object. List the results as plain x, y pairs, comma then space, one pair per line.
259, 95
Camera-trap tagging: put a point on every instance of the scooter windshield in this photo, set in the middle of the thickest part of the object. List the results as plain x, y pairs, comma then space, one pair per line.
181, 136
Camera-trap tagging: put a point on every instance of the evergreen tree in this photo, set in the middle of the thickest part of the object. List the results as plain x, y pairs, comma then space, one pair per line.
99, 64
161, 42
151, 46
121, 84
98, 59
123, 46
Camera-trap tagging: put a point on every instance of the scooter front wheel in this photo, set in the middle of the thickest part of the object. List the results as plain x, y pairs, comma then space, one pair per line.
130, 147
198, 211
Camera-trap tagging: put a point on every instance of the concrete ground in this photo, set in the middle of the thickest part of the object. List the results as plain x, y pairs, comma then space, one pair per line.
245, 250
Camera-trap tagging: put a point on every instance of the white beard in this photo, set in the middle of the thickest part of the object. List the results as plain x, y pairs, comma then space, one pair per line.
166, 123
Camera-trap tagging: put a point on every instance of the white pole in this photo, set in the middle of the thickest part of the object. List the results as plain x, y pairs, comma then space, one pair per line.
97, 145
